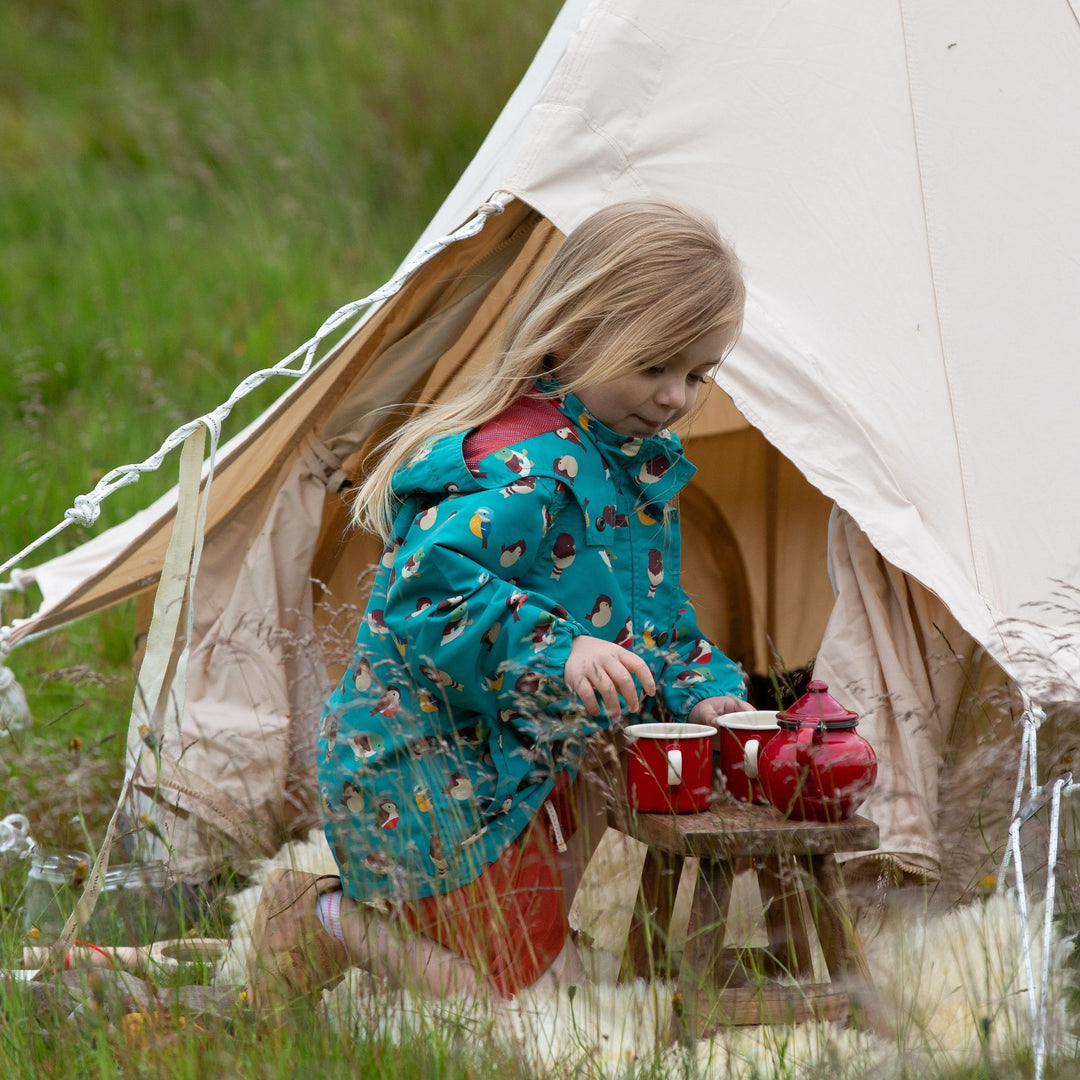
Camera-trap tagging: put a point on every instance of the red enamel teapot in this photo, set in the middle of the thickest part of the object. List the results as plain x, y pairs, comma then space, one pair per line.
816, 767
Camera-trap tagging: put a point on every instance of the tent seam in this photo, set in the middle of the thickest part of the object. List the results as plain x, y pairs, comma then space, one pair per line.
910, 66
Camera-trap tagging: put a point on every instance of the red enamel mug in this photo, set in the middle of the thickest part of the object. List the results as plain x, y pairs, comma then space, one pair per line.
743, 736
669, 767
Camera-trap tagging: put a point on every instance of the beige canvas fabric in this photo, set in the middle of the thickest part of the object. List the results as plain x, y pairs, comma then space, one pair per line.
900, 185
926, 694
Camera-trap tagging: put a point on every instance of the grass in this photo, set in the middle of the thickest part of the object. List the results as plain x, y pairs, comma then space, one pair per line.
111, 1038
189, 188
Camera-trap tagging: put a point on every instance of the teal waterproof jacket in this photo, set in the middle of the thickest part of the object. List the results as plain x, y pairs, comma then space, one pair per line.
445, 735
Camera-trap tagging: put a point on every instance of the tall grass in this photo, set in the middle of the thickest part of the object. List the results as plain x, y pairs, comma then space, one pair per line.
181, 1037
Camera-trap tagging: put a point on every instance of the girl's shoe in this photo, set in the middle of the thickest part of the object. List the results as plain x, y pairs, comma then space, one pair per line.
292, 956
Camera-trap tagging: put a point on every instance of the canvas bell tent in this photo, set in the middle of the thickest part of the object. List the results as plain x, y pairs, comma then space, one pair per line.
900, 183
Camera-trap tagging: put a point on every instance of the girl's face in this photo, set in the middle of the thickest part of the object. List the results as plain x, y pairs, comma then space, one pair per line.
644, 402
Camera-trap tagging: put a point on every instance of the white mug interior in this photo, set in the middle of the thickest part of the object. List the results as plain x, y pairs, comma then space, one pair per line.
669, 731
762, 720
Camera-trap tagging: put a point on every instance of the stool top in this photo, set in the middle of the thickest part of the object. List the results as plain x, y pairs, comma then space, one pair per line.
733, 830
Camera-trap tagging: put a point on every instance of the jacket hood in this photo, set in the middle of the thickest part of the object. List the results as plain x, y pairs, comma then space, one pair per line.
437, 469
656, 464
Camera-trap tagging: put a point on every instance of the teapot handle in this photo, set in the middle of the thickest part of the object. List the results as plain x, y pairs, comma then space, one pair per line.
808, 735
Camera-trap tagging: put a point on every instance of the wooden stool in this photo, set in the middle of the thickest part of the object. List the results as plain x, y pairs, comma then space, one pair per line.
797, 876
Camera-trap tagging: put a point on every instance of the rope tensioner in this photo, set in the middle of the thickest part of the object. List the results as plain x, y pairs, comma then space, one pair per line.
84, 510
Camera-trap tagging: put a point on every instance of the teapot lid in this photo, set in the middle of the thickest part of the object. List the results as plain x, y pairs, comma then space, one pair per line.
818, 706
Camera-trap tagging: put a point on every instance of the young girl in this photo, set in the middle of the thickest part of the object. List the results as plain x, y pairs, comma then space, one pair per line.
527, 598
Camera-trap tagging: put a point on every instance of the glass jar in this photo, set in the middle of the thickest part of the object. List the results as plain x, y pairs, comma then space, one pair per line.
136, 906
53, 886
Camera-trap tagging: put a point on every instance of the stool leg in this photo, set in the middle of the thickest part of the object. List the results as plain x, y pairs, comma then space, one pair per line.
646, 953
842, 946
705, 960
706, 966
781, 891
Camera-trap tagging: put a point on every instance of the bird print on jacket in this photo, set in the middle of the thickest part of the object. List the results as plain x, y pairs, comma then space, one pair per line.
445, 734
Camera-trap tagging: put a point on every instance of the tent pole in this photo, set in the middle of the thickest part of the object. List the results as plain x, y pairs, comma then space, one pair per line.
772, 519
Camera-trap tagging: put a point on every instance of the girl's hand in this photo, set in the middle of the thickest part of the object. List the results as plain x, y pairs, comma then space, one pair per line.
601, 667
709, 709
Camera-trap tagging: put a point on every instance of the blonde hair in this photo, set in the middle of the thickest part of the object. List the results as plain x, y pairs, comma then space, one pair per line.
632, 285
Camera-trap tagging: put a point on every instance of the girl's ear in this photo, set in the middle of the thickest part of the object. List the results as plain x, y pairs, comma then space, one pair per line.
561, 358
568, 347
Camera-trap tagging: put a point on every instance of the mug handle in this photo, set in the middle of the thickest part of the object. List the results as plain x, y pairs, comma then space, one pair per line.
674, 767
749, 757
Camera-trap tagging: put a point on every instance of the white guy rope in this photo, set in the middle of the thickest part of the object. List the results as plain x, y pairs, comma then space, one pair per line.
1029, 749
1027, 770
1061, 786
1021, 901
1023, 811
86, 508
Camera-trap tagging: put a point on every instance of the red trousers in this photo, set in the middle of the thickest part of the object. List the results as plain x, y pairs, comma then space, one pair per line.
510, 923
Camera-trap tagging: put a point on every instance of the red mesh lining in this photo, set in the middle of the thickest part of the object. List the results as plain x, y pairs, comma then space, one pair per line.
526, 417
